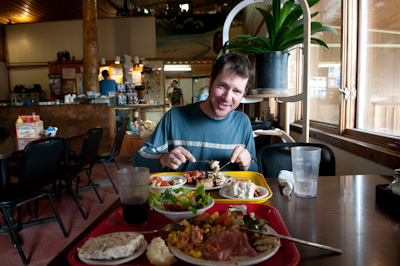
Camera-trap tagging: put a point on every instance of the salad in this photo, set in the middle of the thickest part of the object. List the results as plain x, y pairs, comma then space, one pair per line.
181, 199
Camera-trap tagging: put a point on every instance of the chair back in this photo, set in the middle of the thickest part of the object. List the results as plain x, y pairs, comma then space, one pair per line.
41, 162
90, 147
275, 157
261, 141
119, 138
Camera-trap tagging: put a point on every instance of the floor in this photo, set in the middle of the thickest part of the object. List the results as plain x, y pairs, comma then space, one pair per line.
43, 242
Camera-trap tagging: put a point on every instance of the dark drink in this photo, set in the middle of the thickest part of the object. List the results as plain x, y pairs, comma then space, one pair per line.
135, 213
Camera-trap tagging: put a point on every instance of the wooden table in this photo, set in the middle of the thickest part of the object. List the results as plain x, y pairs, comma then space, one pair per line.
343, 215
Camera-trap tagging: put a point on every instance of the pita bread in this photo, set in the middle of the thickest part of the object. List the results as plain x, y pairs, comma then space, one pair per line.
111, 246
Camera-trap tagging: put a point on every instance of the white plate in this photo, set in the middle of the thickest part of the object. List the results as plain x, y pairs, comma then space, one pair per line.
236, 260
193, 186
135, 255
225, 193
168, 178
178, 216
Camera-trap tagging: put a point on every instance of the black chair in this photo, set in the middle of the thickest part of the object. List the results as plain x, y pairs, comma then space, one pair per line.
41, 161
106, 157
275, 157
4, 132
261, 141
83, 164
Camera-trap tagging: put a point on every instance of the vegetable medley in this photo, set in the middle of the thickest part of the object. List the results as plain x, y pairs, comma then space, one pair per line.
181, 199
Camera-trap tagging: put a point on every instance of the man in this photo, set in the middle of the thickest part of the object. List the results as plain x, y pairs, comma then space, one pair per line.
207, 130
175, 95
107, 84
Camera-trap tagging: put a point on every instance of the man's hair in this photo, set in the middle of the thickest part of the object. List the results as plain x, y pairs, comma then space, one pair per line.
105, 73
238, 64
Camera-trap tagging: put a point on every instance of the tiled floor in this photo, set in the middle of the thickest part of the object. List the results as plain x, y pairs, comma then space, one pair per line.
43, 242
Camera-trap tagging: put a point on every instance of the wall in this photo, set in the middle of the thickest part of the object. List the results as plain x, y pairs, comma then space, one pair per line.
3, 82
38, 43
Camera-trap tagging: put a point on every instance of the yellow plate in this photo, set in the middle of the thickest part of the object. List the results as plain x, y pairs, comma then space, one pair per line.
254, 177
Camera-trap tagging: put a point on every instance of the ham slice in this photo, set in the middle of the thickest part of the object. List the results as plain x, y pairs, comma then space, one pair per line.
225, 244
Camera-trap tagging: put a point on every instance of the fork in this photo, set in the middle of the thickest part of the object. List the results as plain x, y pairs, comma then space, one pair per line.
304, 242
169, 228
204, 161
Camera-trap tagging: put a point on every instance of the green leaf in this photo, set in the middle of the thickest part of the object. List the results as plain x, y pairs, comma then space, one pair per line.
285, 11
276, 12
269, 20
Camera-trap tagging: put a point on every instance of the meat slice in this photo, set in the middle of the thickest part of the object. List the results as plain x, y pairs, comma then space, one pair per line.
225, 244
207, 182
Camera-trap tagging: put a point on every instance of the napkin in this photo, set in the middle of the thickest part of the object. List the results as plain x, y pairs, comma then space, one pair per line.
285, 179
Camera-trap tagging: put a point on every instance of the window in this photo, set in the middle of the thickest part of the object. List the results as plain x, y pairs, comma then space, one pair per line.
355, 86
378, 90
366, 98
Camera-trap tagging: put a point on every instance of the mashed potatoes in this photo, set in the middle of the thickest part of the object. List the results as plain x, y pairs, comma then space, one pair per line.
158, 253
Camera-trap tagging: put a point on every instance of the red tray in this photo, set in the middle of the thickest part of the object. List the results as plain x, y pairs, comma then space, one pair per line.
287, 254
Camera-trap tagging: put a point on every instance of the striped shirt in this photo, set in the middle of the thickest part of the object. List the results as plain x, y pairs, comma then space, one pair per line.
206, 138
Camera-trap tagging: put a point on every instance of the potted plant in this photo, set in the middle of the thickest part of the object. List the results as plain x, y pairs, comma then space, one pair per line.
285, 31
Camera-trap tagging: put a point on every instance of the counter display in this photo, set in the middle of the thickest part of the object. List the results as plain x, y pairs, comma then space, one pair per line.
142, 120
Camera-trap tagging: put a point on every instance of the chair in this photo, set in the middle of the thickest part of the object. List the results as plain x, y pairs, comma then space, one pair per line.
275, 157
106, 157
4, 132
83, 164
41, 161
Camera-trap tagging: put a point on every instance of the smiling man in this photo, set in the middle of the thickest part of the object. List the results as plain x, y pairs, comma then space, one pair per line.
207, 130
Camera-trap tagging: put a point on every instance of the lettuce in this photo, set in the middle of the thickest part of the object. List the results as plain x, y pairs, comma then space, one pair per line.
169, 196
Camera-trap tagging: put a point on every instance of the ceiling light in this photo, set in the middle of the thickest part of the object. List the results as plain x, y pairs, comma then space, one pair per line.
117, 60
177, 68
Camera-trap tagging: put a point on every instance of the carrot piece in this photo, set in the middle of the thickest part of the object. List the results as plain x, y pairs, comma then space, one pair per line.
221, 218
227, 221
202, 218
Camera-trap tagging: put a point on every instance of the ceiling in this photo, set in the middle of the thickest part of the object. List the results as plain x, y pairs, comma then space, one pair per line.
28, 11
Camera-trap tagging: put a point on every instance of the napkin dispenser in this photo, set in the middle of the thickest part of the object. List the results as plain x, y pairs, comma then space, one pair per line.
387, 200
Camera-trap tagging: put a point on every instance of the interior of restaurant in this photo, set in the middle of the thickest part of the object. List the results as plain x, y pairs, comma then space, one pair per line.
33, 49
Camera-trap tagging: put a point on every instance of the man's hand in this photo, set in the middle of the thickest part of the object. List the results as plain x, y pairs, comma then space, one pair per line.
176, 157
241, 156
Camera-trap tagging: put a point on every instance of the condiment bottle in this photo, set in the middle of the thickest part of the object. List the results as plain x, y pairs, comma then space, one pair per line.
19, 120
396, 182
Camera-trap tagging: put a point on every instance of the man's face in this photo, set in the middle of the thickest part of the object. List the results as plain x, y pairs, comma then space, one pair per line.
226, 92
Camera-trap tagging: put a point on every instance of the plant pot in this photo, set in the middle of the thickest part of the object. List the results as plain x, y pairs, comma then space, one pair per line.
271, 73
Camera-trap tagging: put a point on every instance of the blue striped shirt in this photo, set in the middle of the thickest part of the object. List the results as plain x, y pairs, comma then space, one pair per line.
206, 138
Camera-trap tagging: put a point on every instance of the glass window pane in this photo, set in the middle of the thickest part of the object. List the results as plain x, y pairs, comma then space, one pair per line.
378, 94
325, 65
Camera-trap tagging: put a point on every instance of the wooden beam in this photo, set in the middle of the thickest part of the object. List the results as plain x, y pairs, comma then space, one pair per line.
90, 46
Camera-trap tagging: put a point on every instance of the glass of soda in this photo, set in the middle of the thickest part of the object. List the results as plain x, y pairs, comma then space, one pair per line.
133, 185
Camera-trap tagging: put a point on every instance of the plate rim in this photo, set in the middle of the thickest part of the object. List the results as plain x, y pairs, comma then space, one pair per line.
135, 255
255, 198
249, 260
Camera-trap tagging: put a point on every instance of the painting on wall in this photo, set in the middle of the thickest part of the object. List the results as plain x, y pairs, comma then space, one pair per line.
190, 36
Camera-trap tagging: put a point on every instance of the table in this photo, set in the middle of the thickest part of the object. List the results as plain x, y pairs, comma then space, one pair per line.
343, 215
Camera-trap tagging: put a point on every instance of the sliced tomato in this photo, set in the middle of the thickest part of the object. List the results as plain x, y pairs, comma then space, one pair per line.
173, 207
165, 183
